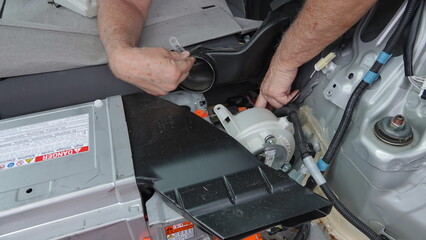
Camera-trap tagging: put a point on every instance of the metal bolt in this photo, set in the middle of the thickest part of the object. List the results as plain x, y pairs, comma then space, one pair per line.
286, 167
270, 140
246, 38
398, 122
329, 93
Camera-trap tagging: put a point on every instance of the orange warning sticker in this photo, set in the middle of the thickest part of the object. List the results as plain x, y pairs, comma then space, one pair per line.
181, 231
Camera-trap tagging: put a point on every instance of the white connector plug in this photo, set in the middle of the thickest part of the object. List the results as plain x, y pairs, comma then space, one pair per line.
325, 64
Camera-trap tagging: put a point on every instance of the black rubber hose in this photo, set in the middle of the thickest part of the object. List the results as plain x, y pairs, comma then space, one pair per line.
349, 216
299, 137
403, 22
410, 41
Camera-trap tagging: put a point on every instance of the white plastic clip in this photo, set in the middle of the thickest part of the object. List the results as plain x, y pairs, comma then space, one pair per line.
175, 44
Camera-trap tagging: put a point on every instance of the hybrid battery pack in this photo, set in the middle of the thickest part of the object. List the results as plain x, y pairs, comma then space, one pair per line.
68, 173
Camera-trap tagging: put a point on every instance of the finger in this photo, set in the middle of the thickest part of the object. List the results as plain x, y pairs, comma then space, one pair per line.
184, 66
183, 77
184, 54
175, 55
260, 101
192, 60
274, 102
283, 100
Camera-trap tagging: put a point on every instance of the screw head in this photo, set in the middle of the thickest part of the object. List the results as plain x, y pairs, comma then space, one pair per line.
271, 140
397, 122
286, 167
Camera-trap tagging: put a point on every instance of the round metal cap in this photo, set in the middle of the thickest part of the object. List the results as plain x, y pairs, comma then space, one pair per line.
397, 135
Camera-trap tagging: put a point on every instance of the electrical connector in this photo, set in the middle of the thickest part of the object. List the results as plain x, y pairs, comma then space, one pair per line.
323, 62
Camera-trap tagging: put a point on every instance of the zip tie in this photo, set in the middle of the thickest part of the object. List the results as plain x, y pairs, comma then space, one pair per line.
322, 165
370, 77
383, 57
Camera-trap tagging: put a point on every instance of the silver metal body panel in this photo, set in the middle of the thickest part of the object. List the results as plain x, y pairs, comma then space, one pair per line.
382, 184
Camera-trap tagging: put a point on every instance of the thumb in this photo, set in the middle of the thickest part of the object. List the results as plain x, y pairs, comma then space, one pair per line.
184, 54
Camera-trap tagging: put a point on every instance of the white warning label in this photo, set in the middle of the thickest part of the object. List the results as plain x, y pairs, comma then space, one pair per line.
43, 141
181, 231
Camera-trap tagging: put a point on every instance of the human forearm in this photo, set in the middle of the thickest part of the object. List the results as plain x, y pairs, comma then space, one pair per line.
153, 69
318, 24
120, 23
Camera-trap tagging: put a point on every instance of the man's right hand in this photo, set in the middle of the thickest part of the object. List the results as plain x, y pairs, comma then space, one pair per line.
155, 70
276, 85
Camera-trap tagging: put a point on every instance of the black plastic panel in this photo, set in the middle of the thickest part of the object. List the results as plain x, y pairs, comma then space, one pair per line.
208, 176
250, 61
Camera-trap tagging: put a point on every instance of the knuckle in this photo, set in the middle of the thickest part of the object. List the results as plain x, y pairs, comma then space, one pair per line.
169, 87
175, 74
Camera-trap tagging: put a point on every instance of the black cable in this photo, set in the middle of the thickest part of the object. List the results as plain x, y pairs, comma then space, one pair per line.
2, 8
346, 119
347, 116
344, 123
299, 137
349, 216
403, 22
410, 41
300, 142
353, 101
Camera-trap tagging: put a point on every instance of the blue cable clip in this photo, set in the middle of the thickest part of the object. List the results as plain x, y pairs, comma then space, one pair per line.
322, 165
370, 77
383, 57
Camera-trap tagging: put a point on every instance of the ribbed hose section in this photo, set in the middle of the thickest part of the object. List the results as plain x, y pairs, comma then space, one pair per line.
405, 20
411, 39
376, 67
349, 216
344, 123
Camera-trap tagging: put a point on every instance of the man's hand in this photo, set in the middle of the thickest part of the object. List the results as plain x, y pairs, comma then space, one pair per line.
276, 86
319, 23
155, 70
